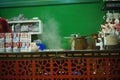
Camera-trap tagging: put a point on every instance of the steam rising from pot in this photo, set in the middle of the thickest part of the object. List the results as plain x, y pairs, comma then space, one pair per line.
51, 35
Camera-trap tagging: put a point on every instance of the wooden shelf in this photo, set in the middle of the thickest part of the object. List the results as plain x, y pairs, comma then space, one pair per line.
61, 54
27, 23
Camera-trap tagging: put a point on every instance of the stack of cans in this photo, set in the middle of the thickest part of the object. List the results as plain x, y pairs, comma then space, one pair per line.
15, 42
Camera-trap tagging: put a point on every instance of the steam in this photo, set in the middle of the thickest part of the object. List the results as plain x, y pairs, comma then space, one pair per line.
51, 35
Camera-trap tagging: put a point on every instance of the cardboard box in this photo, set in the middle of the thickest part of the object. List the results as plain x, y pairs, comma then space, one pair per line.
25, 37
2, 49
2, 37
25, 47
8, 42
8, 46
15, 43
25, 41
2, 42
16, 47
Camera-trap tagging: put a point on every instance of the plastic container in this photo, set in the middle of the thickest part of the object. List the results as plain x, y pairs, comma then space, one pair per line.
41, 46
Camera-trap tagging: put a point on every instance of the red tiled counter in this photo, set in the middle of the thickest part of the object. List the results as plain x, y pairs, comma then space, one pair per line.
61, 65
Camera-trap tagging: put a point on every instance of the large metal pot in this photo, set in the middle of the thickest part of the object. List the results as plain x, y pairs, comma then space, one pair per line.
79, 43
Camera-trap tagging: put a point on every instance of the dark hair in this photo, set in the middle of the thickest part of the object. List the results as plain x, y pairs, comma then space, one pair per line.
5, 25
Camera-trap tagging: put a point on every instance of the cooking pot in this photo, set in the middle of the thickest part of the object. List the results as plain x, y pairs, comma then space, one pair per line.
79, 43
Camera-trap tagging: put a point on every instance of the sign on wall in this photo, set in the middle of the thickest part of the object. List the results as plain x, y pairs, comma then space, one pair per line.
20, 3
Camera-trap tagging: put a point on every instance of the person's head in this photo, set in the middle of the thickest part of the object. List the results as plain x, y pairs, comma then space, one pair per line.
4, 27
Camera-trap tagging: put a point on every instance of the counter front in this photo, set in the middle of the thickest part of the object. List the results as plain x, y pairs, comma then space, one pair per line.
61, 65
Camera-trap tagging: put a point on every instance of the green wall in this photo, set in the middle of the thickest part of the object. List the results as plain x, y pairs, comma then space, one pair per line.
84, 18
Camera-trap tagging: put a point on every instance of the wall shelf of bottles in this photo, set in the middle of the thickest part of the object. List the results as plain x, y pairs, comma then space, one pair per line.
29, 26
111, 5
